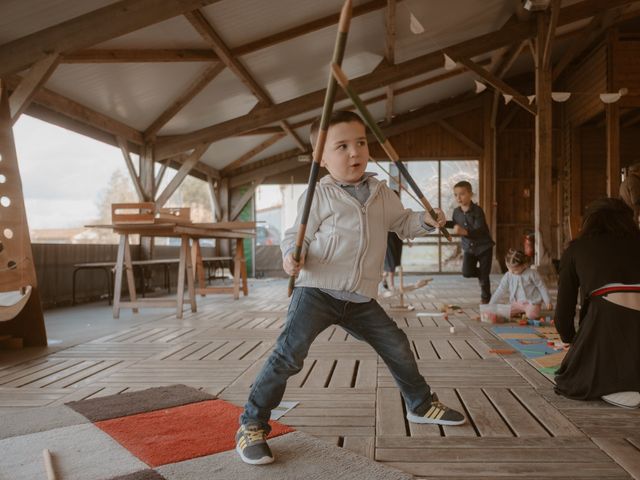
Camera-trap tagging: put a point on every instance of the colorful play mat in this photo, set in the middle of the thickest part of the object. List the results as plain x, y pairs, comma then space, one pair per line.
540, 345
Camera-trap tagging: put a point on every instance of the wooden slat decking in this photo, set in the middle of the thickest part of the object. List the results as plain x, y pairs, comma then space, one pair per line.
518, 428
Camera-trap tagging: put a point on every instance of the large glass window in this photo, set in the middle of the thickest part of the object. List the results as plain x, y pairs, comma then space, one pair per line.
68, 181
436, 179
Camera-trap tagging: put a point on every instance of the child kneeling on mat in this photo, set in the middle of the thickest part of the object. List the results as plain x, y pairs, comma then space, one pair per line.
338, 277
526, 289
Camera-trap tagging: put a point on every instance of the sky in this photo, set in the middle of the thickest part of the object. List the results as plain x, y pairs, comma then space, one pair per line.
62, 173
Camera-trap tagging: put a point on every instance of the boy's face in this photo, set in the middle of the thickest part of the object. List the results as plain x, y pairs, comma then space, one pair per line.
463, 196
346, 152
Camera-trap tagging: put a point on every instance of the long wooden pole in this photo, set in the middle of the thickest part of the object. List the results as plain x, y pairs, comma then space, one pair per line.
342, 79
48, 465
318, 151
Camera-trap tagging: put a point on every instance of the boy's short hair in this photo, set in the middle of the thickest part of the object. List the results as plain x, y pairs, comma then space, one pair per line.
464, 184
337, 116
516, 257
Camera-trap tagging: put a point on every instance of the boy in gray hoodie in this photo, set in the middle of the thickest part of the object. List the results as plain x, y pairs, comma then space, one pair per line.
338, 277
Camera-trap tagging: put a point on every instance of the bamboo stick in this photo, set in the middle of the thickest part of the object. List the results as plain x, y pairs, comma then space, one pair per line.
342, 79
48, 465
338, 54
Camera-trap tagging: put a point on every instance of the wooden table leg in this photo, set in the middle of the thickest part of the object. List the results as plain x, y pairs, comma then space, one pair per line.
190, 273
237, 268
131, 283
181, 273
196, 255
117, 288
243, 269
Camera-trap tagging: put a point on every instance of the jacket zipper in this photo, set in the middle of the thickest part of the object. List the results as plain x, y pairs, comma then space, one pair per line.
364, 236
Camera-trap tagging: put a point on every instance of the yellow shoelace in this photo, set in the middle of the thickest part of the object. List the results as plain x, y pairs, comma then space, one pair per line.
254, 435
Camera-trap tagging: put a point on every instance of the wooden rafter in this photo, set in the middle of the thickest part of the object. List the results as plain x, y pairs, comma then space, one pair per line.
180, 175
90, 29
551, 31
139, 55
280, 163
199, 83
160, 175
244, 158
460, 136
135, 178
200, 170
503, 65
494, 81
76, 111
207, 32
598, 24
200, 55
383, 76
30, 84
288, 160
246, 197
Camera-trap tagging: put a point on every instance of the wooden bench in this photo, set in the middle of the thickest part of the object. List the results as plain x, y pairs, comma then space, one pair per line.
109, 269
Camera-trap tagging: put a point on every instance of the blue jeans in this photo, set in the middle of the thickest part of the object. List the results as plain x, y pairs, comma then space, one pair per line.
310, 312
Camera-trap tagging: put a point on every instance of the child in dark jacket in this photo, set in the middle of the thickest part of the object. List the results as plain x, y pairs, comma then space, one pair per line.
468, 221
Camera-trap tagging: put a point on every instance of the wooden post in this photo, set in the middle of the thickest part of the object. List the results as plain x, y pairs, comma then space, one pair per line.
612, 112
148, 185
576, 183
223, 246
543, 154
17, 270
488, 173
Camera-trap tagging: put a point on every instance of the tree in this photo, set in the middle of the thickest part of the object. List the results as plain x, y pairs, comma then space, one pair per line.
118, 190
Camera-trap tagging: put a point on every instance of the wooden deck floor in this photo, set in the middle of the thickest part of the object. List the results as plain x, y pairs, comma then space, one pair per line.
518, 427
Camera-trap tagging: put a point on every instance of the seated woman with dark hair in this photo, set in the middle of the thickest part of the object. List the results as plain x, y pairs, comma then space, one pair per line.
603, 263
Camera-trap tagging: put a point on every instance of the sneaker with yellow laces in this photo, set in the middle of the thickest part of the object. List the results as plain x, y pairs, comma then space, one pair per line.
437, 414
251, 445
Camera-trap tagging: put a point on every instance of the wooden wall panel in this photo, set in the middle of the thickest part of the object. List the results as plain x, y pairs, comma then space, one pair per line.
515, 187
586, 81
593, 150
433, 142
625, 62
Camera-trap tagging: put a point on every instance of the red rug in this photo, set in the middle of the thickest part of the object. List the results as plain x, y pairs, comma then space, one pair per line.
180, 433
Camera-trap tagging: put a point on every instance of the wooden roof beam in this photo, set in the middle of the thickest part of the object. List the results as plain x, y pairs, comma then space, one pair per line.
98, 26
30, 84
179, 177
494, 81
209, 35
252, 153
135, 178
76, 111
381, 77
139, 55
551, 31
596, 27
288, 160
199, 83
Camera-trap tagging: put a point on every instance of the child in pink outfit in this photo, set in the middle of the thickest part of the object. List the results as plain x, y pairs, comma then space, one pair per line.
527, 291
